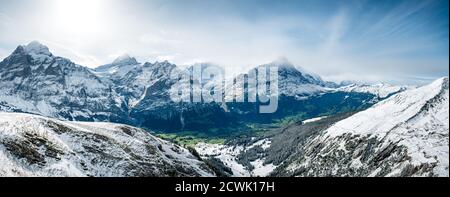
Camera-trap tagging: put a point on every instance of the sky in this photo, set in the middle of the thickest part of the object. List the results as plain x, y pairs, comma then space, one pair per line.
393, 41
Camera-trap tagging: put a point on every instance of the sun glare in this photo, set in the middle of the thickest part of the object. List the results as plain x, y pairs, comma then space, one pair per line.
79, 17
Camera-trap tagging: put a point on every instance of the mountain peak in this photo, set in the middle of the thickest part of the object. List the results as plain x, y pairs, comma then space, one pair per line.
125, 59
37, 48
38, 52
282, 61
124, 62
441, 83
285, 65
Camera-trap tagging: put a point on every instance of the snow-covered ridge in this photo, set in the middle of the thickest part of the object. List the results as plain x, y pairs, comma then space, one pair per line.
381, 90
125, 59
36, 146
385, 115
404, 135
120, 66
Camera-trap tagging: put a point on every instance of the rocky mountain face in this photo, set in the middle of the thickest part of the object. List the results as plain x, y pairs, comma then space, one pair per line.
32, 145
33, 80
146, 90
132, 79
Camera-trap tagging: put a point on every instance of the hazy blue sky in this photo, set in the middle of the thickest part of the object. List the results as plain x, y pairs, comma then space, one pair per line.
392, 40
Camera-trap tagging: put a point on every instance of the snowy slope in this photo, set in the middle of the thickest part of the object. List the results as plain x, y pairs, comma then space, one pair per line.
36, 146
228, 154
404, 135
381, 90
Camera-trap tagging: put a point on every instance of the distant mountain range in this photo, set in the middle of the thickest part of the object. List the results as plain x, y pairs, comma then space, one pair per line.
33, 80
58, 118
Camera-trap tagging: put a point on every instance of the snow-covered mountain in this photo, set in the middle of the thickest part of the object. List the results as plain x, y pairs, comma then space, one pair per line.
295, 81
32, 145
132, 79
119, 67
33, 80
381, 90
404, 135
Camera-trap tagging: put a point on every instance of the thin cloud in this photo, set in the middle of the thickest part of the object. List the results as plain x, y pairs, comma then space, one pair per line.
351, 40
